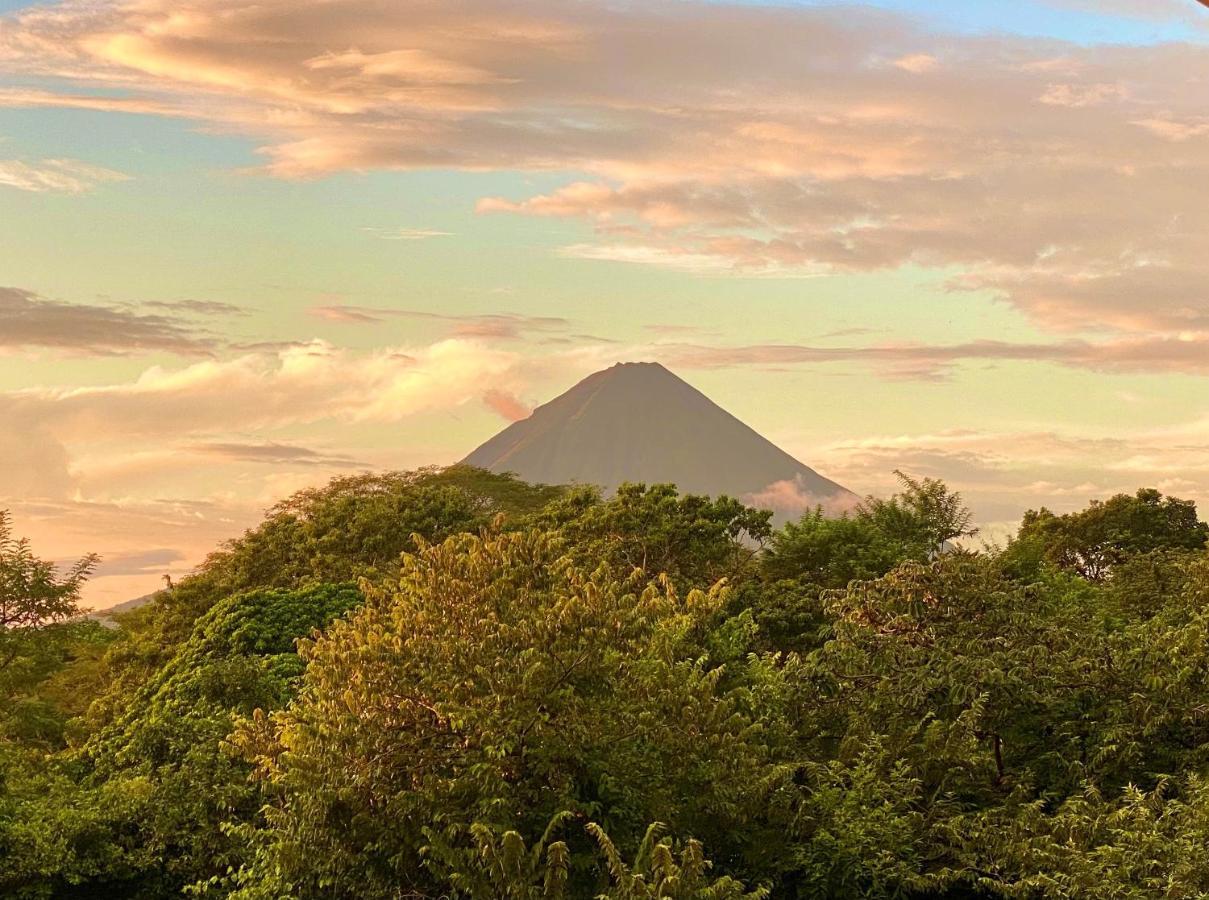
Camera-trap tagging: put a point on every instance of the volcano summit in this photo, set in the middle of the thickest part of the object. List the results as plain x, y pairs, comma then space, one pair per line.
640, 422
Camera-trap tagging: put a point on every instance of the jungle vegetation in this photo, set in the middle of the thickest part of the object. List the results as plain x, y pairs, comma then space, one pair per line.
451, 684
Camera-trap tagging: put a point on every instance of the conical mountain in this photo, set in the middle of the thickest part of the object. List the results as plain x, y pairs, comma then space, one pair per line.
639, 422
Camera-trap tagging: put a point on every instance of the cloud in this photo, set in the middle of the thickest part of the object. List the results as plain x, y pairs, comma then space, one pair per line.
145, 562
60, 176
294, 386
1173, 129
1061, 179
405, 234
1082, 95
917, 63
199, 307
507, 405
164, 460
349, 314
791, 499
180, 532
482, 325
272, 453
28, 321
1003, 472
33, 464
1188, 354
22, 98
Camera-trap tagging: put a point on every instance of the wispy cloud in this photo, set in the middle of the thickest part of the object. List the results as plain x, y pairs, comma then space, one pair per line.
272, 453
199, 307
482, 325
298, 385
60, 176
932, 362
405, 234
917, 63
144, 562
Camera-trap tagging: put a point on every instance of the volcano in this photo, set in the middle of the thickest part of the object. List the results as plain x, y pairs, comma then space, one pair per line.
639, 422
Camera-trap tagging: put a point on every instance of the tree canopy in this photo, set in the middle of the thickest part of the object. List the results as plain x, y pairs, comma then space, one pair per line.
1093, 541
450, 684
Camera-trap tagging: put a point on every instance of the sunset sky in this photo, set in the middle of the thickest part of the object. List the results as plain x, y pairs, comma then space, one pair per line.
247, 245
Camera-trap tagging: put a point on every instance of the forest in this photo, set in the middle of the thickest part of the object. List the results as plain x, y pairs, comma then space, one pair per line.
448, 683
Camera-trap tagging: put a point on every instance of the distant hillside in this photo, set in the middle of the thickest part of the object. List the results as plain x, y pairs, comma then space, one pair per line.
640, 422
105, 616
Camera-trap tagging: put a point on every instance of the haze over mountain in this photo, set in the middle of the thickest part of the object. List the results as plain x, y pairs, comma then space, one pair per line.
639, 422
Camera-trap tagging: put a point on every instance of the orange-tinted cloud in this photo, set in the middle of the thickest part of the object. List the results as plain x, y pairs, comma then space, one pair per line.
310, 383
272, 453
1061, 179
791, 499
507, 405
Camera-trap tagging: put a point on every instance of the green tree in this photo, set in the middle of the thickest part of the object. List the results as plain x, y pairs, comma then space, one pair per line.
357, 526
138, 807
966, 733
519, 697
501, 684
501, 867
354, 527
806, 559
51, 681
1094, 541
32, 592
695, 540
922, 518
831, 552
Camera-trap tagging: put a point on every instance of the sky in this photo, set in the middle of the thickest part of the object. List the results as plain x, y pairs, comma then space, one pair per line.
247, 246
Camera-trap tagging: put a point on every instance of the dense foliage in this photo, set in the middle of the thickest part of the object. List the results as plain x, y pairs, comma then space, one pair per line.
450, 684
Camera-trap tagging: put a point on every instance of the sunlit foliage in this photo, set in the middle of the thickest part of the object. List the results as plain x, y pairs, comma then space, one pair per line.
449, 684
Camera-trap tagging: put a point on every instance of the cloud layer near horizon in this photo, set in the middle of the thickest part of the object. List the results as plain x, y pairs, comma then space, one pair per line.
122, 459
193, 453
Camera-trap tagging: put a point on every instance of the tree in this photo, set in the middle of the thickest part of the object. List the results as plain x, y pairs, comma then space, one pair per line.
831, 552
354, 527
501, 867
695, 540
817, 554
357, 525
923, 517
503, 711
499, 684
32, 592
139, 805
51, 682
827, 552
1094, 541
